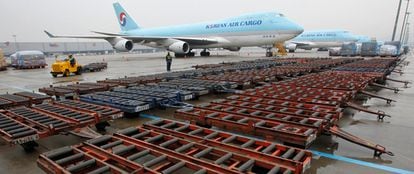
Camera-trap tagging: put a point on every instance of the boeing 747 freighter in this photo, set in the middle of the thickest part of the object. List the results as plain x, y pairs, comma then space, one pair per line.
321, 39
247, 30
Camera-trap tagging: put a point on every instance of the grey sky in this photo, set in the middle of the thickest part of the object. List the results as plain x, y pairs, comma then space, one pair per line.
28, 18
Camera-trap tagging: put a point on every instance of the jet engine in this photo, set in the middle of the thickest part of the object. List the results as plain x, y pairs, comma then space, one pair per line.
179, 47
123, 45
291, 47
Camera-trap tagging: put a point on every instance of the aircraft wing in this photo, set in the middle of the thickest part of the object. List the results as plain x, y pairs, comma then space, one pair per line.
78, 37
137, 39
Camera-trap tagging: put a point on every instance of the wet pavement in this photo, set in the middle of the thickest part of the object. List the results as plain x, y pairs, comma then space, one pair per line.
395, 133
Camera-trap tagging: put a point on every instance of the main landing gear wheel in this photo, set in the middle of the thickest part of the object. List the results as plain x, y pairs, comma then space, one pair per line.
204, 53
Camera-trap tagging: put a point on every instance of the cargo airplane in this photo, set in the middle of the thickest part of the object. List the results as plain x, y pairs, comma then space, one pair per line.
254, 29
320, 39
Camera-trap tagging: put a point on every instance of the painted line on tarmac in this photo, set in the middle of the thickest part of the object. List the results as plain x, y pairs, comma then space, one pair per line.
152, 117
331, 156
362, 163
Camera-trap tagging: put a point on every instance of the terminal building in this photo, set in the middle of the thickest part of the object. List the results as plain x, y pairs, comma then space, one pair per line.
50, 48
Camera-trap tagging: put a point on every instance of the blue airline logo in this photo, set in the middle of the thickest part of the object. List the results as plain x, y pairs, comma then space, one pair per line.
234, 24
122, 18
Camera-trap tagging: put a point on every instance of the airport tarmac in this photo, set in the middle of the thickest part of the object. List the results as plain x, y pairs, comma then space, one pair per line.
394, 133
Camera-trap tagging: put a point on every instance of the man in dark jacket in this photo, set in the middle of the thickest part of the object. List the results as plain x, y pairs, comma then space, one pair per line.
168, 59
72, 60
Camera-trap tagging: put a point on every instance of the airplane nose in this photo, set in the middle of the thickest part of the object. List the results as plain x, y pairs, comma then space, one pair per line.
296, 28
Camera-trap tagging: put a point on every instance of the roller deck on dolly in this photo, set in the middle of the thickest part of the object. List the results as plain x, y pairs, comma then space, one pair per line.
158, 150
308, 103
21, 99
74, 90
294, 158
24, 125
262, 111
270, 130
140, 98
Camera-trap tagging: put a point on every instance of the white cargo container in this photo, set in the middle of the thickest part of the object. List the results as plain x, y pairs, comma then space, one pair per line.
388, 50
28, 59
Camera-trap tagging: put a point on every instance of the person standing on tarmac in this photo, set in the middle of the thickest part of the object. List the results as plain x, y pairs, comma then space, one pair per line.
168, 59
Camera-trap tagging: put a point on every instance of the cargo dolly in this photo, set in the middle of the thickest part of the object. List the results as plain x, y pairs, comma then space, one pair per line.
280, 91
15, 132
303, 98
142, 150
5, 104
50, 119
74, 90
270, 130
314, 123
15, 100
94, 67
125, 105
34, 97
199, 153
132, 101
281, 110
104, 113
295, 159
184, 95
163, 99
132, 81
198, 86
73, 160
336, 111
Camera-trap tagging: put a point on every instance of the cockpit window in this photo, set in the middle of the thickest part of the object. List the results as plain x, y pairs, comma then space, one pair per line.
281, 15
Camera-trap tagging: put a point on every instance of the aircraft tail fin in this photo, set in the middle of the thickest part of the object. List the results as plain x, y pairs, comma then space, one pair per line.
124, 19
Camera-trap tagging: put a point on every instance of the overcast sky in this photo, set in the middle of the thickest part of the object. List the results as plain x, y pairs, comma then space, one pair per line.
27, 19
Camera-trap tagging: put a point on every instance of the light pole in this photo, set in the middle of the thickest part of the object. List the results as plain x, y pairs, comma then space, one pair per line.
406, 34
396, 21
404, 21
16, 46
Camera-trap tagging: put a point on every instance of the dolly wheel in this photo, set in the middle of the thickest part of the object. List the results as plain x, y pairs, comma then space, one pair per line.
79, 71
101, 127
29, 146
66, 73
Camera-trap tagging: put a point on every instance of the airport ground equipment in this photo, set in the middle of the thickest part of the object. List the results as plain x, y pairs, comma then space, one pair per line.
297, 110
198, 86
64, 68
271, 130
24, 125
252, 77
75, 89
348, 50
259, 149
21, 99
153, 149
388, 51
334, 51
94, 67
28, 60
369, 49
140, 98
398, 47
132, 81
